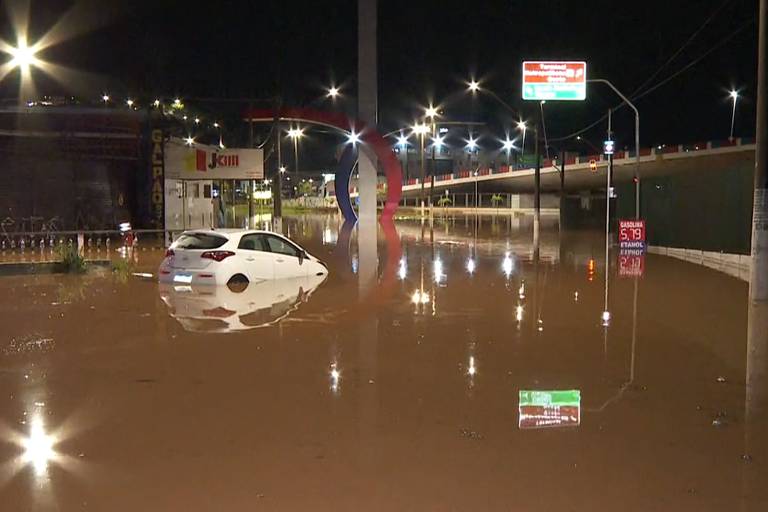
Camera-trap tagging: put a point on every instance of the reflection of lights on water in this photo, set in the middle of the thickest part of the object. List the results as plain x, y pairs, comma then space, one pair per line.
420, 297
38, 447
521, 290
354, 264
540, 323
472, 369
519, 313
507, 265
335, 377
591, 269
471, 265
403, 270
575, 296
328, 236
438, 270
606, 318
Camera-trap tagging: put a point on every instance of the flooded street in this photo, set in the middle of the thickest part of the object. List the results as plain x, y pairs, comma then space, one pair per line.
473, 373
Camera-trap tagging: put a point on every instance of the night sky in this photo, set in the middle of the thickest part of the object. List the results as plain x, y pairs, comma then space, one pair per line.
427, 49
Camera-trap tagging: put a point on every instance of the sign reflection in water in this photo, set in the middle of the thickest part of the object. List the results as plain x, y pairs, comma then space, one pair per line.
542, 409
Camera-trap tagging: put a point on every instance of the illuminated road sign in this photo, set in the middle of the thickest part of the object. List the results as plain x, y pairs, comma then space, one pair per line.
554, 80
540, 409
632, 235
608, 147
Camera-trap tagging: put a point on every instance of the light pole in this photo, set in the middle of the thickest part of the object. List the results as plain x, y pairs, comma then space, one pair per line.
734, 96
508, 145
523, 128
295, 134
637, 140
421, 131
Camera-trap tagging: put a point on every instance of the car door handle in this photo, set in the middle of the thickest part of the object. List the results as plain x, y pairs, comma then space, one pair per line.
279, 260
250, 259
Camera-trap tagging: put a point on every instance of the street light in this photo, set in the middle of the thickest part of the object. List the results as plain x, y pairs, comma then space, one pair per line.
129, 102
523, 128
438, 142
508, 145
22, 55
333, 92
353, 138
189, 141
105, 98
421, 130
473, 86
734, 94
295, 134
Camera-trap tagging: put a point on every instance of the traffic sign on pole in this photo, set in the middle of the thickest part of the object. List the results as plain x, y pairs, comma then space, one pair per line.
554, 80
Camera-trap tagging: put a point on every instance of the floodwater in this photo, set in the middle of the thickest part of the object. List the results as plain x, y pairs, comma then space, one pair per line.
390, 386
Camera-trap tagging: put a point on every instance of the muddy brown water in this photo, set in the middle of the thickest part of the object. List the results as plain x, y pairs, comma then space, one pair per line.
401, 394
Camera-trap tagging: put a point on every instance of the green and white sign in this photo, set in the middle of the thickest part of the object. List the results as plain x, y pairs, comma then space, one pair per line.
554, 80
556, 408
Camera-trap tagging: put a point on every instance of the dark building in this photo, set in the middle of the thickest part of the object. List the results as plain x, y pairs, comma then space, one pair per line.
69, 167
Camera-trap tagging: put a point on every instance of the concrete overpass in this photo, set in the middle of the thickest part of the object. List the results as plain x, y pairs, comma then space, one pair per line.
662, 160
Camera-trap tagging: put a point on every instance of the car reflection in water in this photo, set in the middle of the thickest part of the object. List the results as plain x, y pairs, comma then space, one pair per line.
238, 306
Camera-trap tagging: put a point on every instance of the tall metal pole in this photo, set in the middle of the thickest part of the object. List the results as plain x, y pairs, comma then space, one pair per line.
277, 191
733, 115
422, 178
537, 188
637, 140
251, 183
758, 283
606, 314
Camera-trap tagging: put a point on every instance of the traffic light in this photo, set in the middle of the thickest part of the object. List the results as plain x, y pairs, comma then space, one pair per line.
593, 165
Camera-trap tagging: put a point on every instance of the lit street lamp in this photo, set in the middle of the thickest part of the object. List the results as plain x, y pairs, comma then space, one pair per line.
295, 134
333, 92
734, 95
421, 130
523, 128
508, 145
473, 86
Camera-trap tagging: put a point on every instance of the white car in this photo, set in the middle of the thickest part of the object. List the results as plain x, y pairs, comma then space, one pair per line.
223, 257
224, 309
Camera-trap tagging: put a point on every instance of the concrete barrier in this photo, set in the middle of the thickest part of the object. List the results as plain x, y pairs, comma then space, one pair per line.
736, 265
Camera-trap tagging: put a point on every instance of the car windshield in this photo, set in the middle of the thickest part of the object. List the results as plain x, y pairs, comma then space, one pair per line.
199, 241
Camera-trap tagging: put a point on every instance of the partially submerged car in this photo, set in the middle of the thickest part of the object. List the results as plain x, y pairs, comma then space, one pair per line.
221, 257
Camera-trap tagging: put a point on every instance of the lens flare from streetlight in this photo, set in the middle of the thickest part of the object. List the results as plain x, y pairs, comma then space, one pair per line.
431, 112
105, 98
472, 144
734, 94
402, 141
333, 92
473, 86
521, 125
508, 144
353, 138
438, 142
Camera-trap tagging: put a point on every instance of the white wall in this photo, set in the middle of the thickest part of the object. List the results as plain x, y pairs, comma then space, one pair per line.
186, 204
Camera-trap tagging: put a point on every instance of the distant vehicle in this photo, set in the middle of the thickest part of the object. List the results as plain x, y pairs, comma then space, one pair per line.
232, 257
234, 308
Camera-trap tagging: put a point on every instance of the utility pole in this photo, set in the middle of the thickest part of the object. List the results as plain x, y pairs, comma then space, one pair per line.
251, 183
758, 282
537, 188
422, 178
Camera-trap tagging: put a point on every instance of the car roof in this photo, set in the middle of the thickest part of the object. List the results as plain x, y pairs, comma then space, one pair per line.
231, 232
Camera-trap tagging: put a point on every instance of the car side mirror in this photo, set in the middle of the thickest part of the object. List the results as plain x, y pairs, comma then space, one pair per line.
302, 255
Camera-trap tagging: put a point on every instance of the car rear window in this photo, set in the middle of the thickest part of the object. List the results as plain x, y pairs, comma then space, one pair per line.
200, 241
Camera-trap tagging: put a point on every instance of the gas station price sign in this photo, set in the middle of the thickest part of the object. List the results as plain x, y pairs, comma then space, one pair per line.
554, 80
632, 234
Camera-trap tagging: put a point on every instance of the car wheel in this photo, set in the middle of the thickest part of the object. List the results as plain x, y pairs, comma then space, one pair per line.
237, 283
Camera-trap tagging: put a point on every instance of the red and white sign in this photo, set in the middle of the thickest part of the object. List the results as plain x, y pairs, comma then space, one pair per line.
631, 265
554, 80
632, 234
205, 162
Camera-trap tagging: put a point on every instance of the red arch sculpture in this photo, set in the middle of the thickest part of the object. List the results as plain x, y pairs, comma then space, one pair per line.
370, 138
